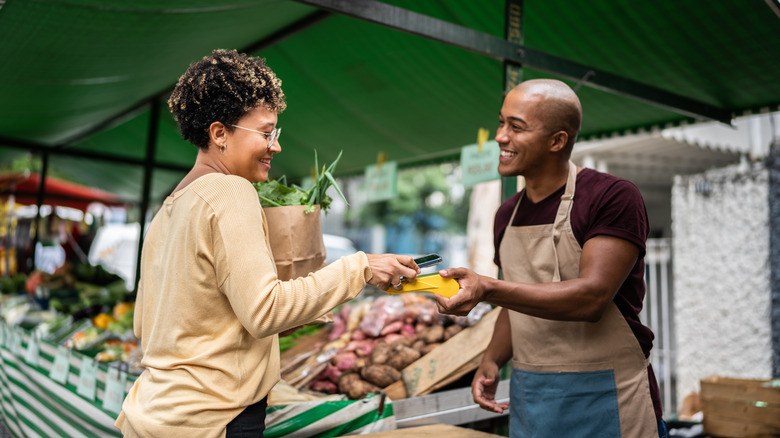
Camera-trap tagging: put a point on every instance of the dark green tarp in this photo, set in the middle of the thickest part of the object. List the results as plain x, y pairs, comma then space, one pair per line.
79, 75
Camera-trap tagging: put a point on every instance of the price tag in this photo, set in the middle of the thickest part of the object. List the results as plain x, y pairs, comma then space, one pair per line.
479, 166
115, 390
87, 386
32, 355
61, 366
381, 181
16, 343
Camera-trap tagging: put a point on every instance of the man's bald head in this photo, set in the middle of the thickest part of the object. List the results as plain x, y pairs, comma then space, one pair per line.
559, 107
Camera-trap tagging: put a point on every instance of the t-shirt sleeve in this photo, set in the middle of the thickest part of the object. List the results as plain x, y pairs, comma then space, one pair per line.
247, 275
621, 213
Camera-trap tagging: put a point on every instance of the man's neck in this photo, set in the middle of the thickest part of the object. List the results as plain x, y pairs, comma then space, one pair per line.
540, 185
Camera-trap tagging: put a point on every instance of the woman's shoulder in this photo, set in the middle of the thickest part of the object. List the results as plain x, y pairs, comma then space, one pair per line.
220, 190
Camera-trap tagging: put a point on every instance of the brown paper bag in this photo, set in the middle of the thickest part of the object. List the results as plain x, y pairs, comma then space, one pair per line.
296, 244
296, 240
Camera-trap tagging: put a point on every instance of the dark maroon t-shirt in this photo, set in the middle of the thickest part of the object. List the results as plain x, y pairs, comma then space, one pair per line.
603, 205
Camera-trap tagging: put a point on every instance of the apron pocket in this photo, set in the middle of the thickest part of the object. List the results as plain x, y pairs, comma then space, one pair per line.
571, 404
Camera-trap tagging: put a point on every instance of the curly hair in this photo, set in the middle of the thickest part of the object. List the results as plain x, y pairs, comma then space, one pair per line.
222, 87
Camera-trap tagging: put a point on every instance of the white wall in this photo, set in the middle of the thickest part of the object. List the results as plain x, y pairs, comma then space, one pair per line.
721, 275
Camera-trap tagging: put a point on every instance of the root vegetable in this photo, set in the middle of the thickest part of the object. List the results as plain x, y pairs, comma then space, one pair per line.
325, 386
434, 333
361, 348
354, 387
380, 375
430, 347
452, 330
330, 373
408, 330
381, 353
345, 361
402, 356
403, 340
418, 345
393, 327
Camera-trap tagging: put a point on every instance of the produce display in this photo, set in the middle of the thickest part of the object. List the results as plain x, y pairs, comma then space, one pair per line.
371, 341
364, 350
80, 306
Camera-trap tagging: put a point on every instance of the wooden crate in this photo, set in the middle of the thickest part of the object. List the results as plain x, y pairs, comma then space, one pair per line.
740, 407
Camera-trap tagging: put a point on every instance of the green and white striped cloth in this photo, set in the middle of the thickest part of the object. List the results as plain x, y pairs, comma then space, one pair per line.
33, 402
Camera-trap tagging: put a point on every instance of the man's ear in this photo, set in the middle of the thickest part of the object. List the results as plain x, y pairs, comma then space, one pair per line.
558, 141
217, 133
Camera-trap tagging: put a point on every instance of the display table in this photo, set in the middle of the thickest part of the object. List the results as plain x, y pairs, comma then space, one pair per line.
47, 390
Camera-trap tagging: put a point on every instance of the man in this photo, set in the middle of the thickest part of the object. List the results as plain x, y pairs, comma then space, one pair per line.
573, 284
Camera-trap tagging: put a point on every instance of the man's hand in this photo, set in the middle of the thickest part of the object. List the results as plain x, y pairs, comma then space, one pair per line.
471, 292
484, 386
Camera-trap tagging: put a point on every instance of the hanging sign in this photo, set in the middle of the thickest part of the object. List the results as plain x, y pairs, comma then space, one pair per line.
61, 366
87, 386
32, 355
115, 390
381, 181
16, 342
479, 166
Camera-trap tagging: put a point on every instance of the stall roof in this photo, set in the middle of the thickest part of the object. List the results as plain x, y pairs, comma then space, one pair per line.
82, 78
23, 187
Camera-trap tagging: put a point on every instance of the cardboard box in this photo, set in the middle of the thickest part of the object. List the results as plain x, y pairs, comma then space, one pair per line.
740, 407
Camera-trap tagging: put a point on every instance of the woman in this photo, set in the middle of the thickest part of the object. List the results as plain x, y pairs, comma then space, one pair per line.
209, 305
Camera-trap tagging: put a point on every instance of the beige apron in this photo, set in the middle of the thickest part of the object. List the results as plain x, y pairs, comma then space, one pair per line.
570, 378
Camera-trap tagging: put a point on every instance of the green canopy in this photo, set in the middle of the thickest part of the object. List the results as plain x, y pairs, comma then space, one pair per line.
81, 79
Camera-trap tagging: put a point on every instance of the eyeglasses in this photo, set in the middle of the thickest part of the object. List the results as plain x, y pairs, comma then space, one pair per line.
271, 136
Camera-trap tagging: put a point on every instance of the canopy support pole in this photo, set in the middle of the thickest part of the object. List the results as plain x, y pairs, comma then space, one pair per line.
513, 73
39, 204
489, 45
151, 150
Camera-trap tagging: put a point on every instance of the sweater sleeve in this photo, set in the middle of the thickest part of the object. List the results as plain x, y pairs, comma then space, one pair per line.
247, 275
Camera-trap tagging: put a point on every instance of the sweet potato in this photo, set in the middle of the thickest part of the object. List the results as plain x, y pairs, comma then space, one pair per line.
354, 387
380, 375
325, 386
402, 356
381, 353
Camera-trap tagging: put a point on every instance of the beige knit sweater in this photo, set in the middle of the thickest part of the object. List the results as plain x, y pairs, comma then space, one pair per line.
209, 306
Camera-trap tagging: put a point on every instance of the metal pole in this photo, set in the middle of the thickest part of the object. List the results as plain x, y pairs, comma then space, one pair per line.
513, 72
39, 203
151, 148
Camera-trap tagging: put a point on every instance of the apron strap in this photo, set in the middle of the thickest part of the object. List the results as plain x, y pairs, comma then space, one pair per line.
561, 217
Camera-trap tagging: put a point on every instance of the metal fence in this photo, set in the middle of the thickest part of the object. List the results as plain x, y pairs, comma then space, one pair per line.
658, 314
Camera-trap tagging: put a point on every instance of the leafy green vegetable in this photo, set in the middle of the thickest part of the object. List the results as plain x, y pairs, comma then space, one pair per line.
276, 193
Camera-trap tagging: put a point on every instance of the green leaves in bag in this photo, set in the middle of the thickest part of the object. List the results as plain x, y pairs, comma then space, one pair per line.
276, 193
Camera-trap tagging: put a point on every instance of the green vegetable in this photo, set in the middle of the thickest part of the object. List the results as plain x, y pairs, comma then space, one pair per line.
276, 193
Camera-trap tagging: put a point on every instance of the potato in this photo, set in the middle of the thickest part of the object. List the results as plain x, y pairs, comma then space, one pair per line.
418, 345
434, 333
354, 387
452, 330
380, 375
381, 353
402, 356
428, 348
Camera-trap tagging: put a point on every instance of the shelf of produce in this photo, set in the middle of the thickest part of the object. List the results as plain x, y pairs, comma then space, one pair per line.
452, 407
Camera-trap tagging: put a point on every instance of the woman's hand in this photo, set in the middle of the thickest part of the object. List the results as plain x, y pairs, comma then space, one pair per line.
389, 269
